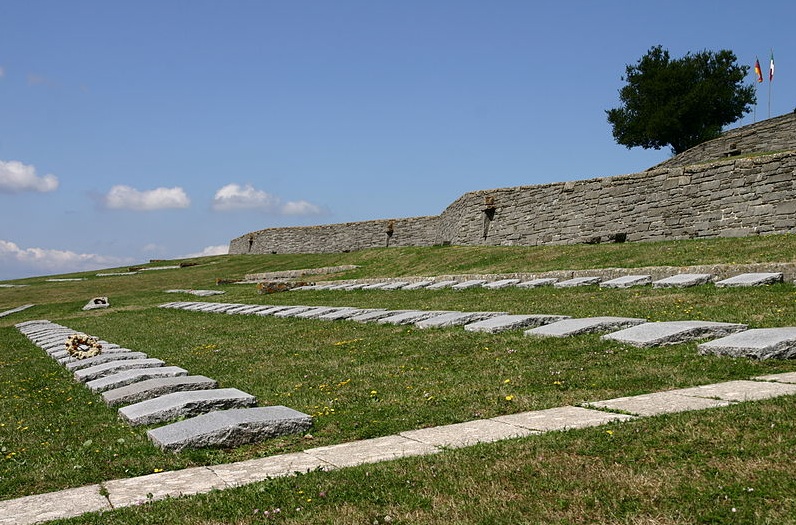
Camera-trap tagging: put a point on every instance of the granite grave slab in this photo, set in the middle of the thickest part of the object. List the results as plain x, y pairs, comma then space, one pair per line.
536, 283
455, 319
230, 428
587, 325
185, 404
502, 283
502, 323
439, 285
627, 281
128, 377
98, 371
151, 388
472, 283
758, 343
683, 280
577, 281
751, 279
672, 332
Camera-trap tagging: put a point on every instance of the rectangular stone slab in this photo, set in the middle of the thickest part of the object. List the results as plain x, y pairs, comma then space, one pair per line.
683, 280
127, 377
785, 377
15, 310
672, 332
290, 312
561, 418
455, 319
77, 364
97, 371
468, 433
53, 505
536, 283
397, 285
627, 281
659, 403
577, 281
418, 285
751, 279
374, 315
342, 313
587, 325
759, 343
502, 323
407, 317
439, 285
740, 390
472, 283
151, 388
254, 470
185, 404
371, 451
316, 312
230, 428
502, 283
375, 286
174, 483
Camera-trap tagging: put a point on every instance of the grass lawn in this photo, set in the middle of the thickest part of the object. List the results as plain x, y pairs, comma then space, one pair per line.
365, 380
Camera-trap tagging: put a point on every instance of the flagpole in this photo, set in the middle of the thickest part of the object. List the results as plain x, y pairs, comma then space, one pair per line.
770, 80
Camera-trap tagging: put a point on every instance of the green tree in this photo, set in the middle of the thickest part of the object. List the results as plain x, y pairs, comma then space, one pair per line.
681, 102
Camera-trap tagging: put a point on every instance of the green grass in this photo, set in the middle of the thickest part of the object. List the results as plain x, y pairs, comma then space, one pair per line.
362, 381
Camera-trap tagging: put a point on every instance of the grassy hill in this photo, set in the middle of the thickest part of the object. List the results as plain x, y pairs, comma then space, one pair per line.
725, 465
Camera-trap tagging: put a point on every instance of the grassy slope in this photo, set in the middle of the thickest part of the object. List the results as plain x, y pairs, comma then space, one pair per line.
421, 378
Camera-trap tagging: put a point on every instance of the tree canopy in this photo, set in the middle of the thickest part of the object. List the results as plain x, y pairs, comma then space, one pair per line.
680, 102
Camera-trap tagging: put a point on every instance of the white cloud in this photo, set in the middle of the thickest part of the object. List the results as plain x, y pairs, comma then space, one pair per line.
236, 197
127, 198
16, 177
37, 261
221, 249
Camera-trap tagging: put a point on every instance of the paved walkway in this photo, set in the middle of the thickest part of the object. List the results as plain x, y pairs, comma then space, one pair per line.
132, 491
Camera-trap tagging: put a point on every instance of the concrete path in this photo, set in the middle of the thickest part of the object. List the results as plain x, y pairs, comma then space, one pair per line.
120, 493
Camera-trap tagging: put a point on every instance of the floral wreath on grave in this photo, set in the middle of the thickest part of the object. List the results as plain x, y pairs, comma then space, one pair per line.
82, 346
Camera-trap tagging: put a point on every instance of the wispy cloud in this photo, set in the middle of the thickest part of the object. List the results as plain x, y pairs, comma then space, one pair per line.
233, 197
127, 198
16, 177
221, 249
2, 72
37, 261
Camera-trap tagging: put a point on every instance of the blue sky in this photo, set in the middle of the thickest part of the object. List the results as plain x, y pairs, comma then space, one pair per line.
145, 130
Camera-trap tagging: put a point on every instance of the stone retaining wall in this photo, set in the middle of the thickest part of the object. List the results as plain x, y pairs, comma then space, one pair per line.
726, 197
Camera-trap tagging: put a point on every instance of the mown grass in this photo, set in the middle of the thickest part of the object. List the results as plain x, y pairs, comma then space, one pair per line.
363, 381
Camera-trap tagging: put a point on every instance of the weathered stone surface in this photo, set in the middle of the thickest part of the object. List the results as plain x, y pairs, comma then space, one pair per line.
786, 377
627, 281
683, 280
185, 404
97, 371
502, 323
290, 312
375, 286
751, 279
77, 364
371, 451
154, 487
408, 317
53, 505
127, 377
151, 388
561, 418
342, 313
316, 312
502, 283
230, 428
740, 390
659, 403
468, 433
272, 310
396, 285
198, 293
568, 327
260, 469
672, 332
439, 285
418, 285
455, 319
577, 281
759, 343
472, 283
373, 315
15, 310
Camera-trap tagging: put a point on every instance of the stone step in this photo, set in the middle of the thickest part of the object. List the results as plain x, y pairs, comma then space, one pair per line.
230, 428
128, 377
502, 323
683, 280
759, 343
185, 404
751, 279
587, 325
98, 371
672, 332
151, 388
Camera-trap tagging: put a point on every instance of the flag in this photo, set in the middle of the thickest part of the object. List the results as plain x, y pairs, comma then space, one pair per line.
771, 67
758, 71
